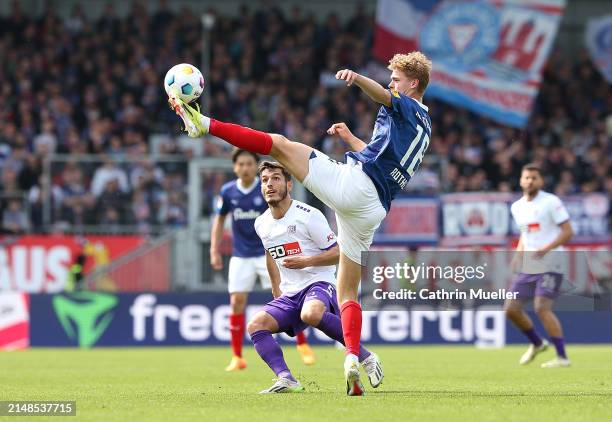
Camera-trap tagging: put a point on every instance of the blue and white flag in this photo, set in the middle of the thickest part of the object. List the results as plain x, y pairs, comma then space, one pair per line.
487, 55
598, 40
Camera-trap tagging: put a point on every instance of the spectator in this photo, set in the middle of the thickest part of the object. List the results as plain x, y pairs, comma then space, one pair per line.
14, 218
79, 86
106, 173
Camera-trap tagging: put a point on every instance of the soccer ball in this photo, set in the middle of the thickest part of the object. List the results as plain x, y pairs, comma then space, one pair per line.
186, 81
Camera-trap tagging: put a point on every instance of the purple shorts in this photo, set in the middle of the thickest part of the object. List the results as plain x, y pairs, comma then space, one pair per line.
286, 309
529, 286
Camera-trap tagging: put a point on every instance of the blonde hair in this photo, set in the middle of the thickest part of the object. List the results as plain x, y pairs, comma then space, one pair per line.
415, 65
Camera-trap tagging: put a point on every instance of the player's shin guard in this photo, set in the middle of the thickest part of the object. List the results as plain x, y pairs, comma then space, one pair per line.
242, 137
351, 326
271, 353
332, 327
237, 331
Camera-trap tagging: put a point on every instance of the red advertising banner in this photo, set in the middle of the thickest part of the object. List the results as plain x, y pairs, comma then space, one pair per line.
40, 264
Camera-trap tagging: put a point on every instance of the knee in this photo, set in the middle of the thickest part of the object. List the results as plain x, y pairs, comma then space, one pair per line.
541, 311
278, 140
311, 317
255, 324
279, 145
511, 311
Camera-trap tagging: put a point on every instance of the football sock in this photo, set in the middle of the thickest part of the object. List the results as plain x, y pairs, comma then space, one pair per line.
300, 338
533, 337
237, 331
332, 327
351, 326
560, 346
271, 353
242, 137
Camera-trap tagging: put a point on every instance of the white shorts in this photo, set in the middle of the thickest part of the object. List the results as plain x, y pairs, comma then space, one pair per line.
347, 190
243, 272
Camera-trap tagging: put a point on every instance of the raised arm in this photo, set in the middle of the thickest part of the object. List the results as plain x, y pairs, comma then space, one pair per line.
342, 131
370, 87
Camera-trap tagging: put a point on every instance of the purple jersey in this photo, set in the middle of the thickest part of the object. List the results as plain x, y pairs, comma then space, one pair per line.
400, 139
245, 205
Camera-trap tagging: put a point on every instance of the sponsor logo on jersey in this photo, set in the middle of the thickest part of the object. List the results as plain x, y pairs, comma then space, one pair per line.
303, 208
533, 227
240, 214
284, 250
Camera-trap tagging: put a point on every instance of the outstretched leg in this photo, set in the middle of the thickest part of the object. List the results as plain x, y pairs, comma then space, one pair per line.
294, 156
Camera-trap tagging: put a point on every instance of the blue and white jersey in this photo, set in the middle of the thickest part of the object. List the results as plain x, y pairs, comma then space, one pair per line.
245, 205
400, 139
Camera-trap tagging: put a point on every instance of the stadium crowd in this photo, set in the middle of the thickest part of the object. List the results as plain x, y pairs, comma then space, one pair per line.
78, 86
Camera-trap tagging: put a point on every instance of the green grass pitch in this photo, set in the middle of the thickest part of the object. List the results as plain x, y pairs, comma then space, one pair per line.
422, 383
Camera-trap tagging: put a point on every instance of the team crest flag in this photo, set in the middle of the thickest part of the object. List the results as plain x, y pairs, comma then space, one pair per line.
487, 55
599, 43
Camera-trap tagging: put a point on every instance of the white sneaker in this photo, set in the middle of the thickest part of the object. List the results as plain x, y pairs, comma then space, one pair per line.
373, 368
557, 363
354, 387
284, 385
532, 352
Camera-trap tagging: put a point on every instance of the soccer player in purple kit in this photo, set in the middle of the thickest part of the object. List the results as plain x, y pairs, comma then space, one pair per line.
360, 191
301, 253
243, 200
545, 227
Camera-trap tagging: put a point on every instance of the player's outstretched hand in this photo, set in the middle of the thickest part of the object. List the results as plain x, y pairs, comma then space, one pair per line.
347, 75
296, 262
341, 130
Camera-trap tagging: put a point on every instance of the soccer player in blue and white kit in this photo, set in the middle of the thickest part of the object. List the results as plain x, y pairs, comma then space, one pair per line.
242, 199
301, 254
545, 228
360, 191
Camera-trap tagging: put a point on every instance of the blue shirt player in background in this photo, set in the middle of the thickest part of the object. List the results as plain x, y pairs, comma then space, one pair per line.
360, 191
242, 199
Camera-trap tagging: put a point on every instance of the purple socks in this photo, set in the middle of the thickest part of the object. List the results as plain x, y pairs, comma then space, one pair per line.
271, 353
533, 337
560, 346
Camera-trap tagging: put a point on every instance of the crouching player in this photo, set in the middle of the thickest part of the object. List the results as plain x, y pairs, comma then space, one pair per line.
301, 254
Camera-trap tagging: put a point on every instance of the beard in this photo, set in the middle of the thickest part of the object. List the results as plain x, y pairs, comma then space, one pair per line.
282, 193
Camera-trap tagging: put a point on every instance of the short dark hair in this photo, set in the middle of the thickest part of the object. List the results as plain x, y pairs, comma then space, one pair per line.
532, 167
270, 165
237, 152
